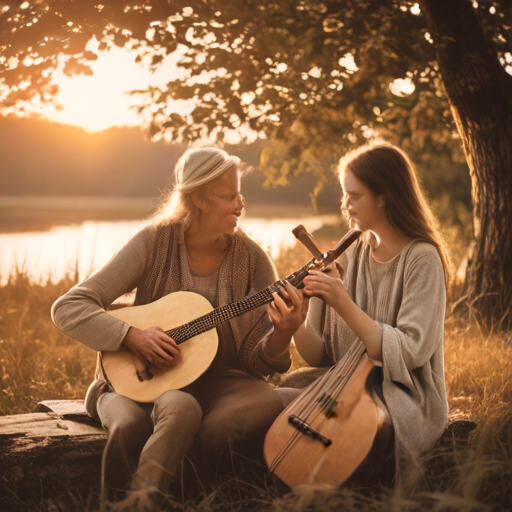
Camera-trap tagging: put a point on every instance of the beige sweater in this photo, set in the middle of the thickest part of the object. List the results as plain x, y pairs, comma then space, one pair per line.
155, 262
410, 307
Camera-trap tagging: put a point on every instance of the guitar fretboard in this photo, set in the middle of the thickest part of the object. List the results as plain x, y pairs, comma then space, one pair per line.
224, 313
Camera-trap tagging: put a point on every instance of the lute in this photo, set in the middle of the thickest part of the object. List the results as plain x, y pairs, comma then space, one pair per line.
338, 430
189, 317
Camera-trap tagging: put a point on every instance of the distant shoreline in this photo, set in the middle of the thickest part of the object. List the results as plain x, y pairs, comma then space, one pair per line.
40, 213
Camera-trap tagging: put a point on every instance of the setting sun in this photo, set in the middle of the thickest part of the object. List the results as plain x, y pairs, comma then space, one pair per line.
102, 100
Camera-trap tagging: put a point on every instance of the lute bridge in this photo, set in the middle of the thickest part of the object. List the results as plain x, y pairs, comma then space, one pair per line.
307, 429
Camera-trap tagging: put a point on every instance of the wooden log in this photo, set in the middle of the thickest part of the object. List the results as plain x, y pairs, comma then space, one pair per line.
51, 457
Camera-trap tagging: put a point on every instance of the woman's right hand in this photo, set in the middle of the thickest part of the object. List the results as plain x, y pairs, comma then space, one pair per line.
158, 350
329, 287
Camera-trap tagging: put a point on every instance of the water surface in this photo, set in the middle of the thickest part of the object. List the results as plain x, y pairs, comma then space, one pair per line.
87, 246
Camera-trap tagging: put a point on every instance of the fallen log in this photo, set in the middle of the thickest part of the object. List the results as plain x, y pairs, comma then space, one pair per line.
51, 456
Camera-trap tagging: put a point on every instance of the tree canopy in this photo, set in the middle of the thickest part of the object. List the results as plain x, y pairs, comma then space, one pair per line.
314, 77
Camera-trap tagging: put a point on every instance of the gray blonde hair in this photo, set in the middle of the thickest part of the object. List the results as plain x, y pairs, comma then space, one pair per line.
195, 170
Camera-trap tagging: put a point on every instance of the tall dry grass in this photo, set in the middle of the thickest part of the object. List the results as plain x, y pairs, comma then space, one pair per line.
37, 362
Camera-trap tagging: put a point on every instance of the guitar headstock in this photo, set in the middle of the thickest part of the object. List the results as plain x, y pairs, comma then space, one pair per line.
321, 259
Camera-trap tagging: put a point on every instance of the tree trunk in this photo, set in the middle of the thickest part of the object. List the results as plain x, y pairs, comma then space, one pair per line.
480, 94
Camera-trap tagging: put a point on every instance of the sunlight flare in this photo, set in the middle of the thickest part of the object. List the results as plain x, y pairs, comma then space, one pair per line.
102, 100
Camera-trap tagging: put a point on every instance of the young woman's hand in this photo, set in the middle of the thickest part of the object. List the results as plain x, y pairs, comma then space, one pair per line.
158, 350
328, 286
332, 290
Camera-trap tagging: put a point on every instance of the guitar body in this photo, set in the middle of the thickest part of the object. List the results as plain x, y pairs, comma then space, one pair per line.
123, 368
359, 429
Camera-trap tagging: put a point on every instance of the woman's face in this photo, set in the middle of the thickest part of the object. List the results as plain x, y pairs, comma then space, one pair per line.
224, 203
364, 209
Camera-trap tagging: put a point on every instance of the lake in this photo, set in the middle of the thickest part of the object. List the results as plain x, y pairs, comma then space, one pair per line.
88, 245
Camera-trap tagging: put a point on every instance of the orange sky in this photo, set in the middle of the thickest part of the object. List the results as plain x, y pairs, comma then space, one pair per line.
100, 101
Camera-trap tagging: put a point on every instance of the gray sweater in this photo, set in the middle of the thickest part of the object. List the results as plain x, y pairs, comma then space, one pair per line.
407, 297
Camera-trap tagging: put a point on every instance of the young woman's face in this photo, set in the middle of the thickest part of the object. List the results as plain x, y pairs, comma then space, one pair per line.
224, 204
364, 209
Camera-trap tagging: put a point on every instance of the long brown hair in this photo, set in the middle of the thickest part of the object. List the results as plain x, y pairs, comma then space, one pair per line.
387, 170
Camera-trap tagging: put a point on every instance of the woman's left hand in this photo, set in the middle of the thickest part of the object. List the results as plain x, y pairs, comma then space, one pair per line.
287, 318
327, 286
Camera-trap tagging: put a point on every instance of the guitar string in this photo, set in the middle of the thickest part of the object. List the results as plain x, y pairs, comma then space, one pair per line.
296, 436
340, 373
345, 371
204, 323
336, 374
358, 351
288, 445
219, 315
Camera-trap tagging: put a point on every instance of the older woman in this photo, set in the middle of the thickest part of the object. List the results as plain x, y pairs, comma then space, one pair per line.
192, 244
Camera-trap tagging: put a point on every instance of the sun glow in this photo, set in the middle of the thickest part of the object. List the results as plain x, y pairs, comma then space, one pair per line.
101, 101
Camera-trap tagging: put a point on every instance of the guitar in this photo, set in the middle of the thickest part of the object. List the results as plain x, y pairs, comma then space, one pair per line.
189, 317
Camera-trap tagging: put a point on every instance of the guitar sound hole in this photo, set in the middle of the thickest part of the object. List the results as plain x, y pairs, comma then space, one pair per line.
144, 375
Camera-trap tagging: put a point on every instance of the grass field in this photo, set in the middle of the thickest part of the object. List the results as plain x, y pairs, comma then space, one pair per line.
37, 362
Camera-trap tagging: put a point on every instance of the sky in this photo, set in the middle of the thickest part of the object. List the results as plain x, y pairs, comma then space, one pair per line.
100, 101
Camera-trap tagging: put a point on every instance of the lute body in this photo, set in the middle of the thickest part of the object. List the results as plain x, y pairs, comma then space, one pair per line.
334, 432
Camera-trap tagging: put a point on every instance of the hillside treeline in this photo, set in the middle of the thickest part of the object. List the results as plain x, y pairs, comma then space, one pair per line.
42, 158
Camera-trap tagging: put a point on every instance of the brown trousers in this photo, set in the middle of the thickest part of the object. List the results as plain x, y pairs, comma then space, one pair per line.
221, 412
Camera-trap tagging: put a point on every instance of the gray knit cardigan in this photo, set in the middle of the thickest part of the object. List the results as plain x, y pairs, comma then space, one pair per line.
155, 262
411, 310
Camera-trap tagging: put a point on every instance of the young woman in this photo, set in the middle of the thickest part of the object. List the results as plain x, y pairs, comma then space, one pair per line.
392, 297
193, 245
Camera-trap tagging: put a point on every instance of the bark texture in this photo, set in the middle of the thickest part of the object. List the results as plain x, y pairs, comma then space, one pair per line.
480, 94
47, 460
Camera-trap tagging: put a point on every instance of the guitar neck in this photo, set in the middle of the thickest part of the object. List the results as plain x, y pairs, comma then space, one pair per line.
224, 313
220, 315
